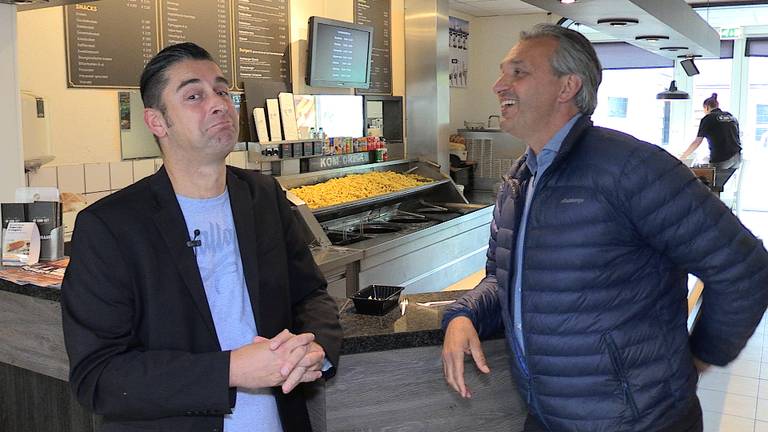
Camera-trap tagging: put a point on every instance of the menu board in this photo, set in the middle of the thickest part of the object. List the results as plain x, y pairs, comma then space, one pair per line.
109, 42
204, 22
377, 14
262, 38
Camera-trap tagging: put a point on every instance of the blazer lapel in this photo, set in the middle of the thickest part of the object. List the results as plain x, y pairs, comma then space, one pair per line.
170, 222
247, 226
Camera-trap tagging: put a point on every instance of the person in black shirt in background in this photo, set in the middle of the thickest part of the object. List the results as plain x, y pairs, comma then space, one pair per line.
721, 129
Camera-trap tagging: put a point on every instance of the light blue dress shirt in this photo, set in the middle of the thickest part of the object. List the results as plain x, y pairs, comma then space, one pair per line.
537, 164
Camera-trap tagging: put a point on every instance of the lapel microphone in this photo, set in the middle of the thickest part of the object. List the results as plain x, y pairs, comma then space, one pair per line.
195, 242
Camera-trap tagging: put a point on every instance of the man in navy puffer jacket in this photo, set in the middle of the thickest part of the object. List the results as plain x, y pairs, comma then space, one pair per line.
593, 236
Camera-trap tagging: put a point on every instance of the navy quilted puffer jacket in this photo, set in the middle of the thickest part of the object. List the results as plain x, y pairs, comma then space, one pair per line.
614, 228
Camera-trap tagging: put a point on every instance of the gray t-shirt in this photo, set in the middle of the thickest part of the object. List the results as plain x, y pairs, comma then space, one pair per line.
221, 269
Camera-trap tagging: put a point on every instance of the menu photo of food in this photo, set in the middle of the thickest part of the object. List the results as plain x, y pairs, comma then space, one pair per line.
17, 247
21, 244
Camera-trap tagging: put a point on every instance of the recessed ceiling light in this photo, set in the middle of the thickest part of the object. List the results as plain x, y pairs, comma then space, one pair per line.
618, 22
651, 38
568, 1
673, 48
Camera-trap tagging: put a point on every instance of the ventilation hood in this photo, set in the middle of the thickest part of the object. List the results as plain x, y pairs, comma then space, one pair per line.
38, 4
674, 28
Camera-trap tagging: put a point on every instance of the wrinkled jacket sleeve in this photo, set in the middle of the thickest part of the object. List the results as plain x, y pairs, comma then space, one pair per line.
110, 372
481, 305
681, 219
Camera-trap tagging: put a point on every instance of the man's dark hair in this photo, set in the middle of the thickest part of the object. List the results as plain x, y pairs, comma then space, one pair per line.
711, 102
153, 78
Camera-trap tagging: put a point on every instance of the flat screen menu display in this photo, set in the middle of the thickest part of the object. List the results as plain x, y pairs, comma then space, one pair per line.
339, 53
376, 13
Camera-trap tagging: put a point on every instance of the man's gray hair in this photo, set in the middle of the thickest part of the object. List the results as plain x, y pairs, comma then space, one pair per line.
574, 55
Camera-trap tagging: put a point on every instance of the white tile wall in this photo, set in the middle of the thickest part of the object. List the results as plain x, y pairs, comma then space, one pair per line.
96, 177
95, 196
69, 222
143, 168
71, 178
237, 159
120, 174
44, 177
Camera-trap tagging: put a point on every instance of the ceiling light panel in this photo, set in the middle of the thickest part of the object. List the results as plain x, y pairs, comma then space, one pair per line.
672, 18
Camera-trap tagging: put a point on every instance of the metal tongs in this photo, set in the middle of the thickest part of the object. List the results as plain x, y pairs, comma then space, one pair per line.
431, 206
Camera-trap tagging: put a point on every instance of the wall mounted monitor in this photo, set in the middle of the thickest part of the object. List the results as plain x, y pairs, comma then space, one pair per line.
689, 67
339, 54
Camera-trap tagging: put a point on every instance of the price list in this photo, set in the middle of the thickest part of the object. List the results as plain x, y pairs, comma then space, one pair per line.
207, 23
262, 40
376, 13
109, 42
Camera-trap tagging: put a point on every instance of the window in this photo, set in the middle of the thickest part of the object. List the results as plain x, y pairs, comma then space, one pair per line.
626, 101
762, 114
756, 108
714, 77
760, 133
617, 107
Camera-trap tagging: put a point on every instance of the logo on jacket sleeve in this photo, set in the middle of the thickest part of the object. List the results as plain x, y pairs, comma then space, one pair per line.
571, 200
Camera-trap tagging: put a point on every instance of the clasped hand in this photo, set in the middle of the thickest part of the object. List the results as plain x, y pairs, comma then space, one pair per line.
285, 360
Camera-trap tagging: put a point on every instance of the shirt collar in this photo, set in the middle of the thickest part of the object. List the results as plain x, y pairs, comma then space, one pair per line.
551, 148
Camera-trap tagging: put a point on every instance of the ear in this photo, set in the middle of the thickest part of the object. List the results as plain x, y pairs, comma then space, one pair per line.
570, 86
155, 122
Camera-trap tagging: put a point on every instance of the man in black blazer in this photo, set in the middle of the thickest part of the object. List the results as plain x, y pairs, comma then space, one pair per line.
142, 325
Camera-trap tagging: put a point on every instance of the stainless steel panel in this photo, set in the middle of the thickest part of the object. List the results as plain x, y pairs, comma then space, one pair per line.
494, 151
426, 80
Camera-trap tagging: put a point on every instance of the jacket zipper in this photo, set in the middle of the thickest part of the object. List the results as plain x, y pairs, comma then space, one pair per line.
523, 357
618, 367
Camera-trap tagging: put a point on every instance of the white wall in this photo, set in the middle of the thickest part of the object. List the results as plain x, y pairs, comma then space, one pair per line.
11, 158
490, 40
85, 122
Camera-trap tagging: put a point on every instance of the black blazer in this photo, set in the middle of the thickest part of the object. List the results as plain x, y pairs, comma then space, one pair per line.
139, 333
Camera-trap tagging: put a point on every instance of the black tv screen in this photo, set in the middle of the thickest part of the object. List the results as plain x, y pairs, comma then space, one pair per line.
689, 67
339, 54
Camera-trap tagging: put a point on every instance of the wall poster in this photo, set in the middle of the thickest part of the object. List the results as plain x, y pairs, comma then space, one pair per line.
459, 51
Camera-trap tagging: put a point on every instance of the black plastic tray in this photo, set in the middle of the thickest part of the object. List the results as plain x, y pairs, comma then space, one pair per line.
377, 299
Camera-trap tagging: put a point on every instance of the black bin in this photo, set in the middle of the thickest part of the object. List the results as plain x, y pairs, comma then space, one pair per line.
377, 299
